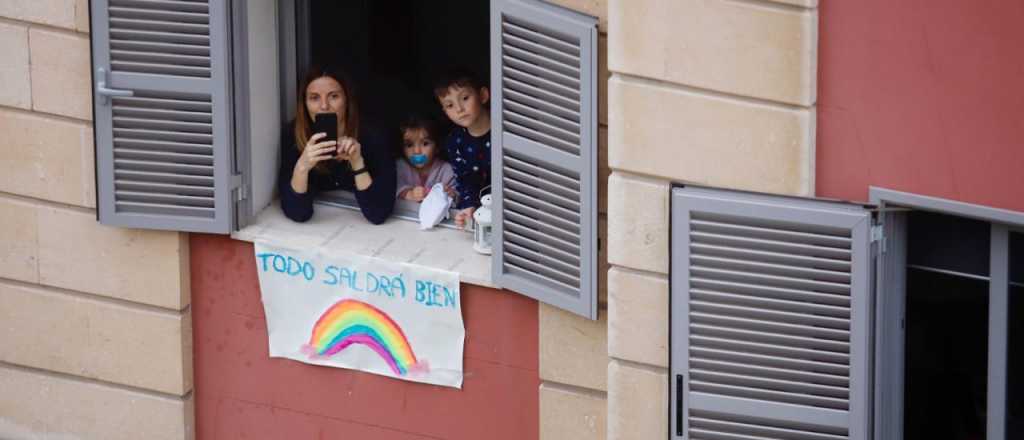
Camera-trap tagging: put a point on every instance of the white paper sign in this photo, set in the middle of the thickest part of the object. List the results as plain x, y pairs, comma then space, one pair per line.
350, 311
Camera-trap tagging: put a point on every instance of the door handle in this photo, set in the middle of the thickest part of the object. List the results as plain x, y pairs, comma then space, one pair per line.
104, 92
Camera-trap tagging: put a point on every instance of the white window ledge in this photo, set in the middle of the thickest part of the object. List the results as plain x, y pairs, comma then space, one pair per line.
395, 240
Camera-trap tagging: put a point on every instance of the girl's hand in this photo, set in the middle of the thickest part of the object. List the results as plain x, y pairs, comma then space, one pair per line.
349, 149
463, 217
315, 152
416, 194
451, 192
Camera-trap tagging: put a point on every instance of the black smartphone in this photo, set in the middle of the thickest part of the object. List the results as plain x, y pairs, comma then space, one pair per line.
326, 123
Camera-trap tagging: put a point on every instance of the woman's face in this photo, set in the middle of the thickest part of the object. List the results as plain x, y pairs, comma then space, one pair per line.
325, 95
418, 147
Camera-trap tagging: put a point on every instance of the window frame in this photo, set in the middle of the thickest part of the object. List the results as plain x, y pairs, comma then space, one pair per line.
256, 55
238, 12
296, 53
889, 296
404, 209
891, 305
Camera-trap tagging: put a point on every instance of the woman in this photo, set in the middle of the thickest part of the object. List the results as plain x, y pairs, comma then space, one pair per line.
355, 162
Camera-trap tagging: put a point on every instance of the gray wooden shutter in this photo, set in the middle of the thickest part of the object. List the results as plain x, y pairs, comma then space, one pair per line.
544, 153
161, 71
770, 317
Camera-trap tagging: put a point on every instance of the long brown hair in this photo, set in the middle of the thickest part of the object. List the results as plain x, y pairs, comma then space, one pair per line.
303, 124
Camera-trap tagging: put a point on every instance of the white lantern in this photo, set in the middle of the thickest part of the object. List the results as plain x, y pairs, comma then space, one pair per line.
482, 234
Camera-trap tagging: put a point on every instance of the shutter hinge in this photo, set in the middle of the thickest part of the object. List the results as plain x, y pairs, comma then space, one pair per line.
242, 193
878, 237
241, 190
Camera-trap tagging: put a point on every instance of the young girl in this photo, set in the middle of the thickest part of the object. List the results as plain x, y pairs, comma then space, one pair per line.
419, 167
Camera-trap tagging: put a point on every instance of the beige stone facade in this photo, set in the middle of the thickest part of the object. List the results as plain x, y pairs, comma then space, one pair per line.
96, 345
96, 337
711, 92
574, 350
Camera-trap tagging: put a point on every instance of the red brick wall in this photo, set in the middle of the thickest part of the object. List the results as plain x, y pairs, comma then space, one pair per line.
241, 393
924, 96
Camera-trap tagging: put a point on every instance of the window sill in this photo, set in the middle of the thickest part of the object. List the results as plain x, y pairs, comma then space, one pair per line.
396, 240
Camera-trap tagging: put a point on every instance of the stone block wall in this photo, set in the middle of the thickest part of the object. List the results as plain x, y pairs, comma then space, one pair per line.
95, 341
97, 345
711, 92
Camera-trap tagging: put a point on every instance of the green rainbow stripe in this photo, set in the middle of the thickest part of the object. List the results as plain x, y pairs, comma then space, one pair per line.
350, 322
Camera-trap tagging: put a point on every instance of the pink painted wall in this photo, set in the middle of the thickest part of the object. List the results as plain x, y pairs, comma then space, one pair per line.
241, 393
925, 96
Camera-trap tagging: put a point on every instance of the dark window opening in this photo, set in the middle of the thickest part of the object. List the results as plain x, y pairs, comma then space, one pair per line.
949, 243
947, 323
393, 51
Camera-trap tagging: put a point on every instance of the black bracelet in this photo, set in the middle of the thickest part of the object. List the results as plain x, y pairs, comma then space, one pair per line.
360, 171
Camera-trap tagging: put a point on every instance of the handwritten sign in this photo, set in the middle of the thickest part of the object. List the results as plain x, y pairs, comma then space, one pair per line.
350, 311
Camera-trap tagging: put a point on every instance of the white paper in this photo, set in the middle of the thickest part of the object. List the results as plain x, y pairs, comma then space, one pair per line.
434, 207
350, 311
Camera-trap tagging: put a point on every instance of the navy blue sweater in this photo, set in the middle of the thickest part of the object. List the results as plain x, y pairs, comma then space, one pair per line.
376, 202
470, 157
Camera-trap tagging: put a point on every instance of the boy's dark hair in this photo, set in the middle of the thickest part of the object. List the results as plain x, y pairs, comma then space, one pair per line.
457, 77
430, 125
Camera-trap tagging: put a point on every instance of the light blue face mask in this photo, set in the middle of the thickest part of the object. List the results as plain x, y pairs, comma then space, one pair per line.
418, 159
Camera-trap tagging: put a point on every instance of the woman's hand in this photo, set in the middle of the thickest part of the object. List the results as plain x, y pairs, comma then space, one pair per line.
349, 149
314, 153
416, 194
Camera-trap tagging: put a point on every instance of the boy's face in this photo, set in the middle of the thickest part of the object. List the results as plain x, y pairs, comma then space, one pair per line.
418, 147
463, 105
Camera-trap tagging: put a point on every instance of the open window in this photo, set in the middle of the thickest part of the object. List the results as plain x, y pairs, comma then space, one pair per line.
190, 97
795, 318
770, 317
948, 346
393, 50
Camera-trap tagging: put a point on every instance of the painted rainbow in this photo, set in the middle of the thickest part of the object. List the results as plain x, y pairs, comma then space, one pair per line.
350, 322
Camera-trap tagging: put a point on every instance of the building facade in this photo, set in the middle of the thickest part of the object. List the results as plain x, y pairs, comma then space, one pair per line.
126, 333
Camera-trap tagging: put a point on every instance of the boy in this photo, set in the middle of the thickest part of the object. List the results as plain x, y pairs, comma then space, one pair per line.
464, 100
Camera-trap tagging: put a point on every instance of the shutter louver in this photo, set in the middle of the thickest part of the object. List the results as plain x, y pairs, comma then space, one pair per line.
544, 153
163, 156
770, 312
160, 37
163, 135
